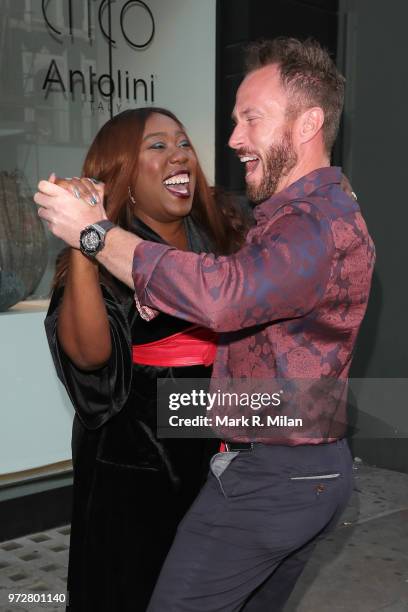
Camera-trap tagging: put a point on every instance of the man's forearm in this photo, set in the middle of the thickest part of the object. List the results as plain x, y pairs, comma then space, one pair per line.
281, 275
117, 254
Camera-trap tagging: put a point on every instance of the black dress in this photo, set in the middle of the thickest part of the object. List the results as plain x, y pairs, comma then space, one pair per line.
130, 488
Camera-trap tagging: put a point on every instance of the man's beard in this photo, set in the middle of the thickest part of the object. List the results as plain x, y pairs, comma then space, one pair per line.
280, 160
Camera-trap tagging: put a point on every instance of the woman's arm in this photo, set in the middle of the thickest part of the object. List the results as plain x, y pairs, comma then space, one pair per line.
83, 327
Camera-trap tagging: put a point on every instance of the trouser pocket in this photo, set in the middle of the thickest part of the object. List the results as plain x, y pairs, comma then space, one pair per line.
316, 477
219, 464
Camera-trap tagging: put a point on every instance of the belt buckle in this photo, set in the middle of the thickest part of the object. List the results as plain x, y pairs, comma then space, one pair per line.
245, 446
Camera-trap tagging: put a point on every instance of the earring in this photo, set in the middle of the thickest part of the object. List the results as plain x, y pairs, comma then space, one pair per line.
132, 199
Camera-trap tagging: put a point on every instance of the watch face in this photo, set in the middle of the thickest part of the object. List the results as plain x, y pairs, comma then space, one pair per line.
90, 241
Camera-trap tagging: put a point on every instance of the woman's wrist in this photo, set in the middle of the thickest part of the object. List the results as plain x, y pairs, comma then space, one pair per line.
78, 259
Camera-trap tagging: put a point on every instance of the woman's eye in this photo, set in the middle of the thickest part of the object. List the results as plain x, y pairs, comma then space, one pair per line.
185, 143
157, 145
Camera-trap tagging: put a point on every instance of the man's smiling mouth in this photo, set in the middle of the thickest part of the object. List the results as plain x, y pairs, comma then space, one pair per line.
251, 162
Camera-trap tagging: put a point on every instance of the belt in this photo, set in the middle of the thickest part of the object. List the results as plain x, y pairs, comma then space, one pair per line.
193, 346
236, 446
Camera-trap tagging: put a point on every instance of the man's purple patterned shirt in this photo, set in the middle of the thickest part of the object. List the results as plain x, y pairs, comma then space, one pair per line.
289, 304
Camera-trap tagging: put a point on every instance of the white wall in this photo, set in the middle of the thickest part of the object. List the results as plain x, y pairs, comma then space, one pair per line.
182, 59
36, 415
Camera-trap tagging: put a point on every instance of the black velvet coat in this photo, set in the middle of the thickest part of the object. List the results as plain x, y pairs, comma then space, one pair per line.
130, 488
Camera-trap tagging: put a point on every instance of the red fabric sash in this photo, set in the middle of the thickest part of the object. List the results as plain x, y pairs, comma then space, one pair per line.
193, 346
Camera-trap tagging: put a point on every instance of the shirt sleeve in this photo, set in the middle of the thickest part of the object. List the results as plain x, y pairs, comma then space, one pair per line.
97, 394
282, 273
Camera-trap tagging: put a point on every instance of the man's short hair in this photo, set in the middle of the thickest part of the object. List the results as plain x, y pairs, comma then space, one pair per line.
309, 76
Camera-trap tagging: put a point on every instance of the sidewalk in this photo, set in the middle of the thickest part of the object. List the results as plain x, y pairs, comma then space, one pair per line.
362, 567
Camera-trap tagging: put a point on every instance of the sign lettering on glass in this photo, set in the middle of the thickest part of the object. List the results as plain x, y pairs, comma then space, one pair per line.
117, 82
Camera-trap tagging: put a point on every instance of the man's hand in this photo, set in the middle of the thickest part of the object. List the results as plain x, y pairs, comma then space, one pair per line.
66, 214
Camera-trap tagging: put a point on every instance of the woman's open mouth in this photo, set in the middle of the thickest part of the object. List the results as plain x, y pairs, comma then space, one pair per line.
178, 184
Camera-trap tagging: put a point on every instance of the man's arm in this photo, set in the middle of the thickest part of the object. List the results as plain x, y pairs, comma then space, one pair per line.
282, 275
117, 255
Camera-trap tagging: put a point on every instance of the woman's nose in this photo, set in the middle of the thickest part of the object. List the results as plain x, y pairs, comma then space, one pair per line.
177, 155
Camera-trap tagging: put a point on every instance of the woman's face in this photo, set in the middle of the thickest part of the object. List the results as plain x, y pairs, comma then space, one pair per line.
166, 178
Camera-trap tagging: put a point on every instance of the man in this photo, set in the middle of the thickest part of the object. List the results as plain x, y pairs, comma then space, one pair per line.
288, 305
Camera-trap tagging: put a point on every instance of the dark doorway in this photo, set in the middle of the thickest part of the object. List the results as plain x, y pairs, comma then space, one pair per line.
241, 21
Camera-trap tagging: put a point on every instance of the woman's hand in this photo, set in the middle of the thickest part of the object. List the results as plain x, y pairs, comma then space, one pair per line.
89, 189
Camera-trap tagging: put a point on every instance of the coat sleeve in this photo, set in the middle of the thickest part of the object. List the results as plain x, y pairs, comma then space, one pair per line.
99, 394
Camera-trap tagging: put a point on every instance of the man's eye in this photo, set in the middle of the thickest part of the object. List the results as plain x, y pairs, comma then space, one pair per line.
157, 145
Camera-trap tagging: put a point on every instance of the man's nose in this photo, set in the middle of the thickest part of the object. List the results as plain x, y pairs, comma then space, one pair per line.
236, 138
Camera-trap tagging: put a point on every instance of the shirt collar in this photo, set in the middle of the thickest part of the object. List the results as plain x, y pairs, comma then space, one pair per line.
300, 189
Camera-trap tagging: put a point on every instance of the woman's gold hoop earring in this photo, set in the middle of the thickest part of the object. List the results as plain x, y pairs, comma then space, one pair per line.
132, 199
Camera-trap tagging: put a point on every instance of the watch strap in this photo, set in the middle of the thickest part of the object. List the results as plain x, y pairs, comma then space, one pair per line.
103, 226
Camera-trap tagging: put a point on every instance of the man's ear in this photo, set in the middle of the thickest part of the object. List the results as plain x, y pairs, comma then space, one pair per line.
311, 122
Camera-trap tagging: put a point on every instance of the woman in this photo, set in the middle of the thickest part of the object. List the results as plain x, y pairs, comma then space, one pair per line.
130, 488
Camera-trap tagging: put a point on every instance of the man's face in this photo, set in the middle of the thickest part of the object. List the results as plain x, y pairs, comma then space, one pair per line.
262, 137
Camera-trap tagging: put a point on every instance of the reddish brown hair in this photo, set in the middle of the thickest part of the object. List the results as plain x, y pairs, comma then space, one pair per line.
113, 159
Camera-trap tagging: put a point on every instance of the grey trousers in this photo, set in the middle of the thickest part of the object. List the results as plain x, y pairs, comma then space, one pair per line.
248, 535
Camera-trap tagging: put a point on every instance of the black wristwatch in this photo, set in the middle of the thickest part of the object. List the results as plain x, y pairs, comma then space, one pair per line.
92, 238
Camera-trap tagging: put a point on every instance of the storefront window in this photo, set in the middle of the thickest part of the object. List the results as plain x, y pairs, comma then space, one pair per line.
66, 67
46, 124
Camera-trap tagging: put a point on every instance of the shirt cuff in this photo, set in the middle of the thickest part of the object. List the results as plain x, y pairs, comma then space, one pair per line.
148, 314
146, 256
